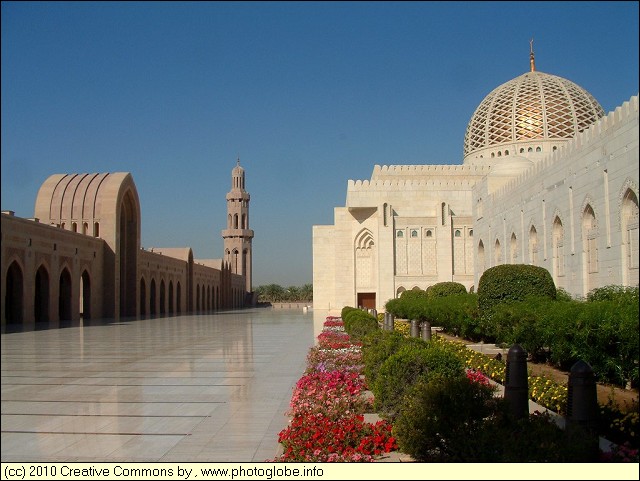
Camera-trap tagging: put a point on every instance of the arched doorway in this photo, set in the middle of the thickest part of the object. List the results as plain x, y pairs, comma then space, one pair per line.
143, 298
14, 301
128, 251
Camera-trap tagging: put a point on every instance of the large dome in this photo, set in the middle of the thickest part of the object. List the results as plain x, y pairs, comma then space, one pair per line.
529, 116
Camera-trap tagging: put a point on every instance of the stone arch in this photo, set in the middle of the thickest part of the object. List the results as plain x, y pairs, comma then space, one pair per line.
589, 232
14, 294
629, 230
364, 259
513, 248
153, 306
497, 253
557, 245
128, 251
482, 261
533, 245
110, 203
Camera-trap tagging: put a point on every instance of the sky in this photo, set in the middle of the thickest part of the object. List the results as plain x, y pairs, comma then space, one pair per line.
306, 94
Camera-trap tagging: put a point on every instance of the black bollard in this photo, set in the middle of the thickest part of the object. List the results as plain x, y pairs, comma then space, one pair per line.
582, 412
426, 331
415, 329
516, 387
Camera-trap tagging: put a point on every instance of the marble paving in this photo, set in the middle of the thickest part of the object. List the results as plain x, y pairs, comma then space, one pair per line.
198, 388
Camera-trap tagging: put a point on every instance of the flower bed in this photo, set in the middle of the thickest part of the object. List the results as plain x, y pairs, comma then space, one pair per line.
327, 406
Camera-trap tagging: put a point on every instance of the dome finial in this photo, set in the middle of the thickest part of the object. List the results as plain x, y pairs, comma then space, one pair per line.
238, 159
532, 60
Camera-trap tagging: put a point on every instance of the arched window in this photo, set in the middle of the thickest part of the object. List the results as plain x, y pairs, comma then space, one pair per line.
558, 247
590, 238
533, 246
513, 248
481, 259
399, 233
630, 232
497, 253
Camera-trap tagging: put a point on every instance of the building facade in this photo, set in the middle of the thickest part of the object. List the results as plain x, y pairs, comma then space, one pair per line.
80, 257
547, 179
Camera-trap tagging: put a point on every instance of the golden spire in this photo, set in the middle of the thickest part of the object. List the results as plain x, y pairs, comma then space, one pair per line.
532, 60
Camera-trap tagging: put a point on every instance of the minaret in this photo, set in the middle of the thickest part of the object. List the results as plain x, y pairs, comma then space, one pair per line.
237, 236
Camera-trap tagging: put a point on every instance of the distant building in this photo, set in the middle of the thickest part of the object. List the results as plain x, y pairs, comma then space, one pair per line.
547, 179
80, 257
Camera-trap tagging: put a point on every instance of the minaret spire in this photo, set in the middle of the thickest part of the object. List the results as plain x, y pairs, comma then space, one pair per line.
237, 236
532, 60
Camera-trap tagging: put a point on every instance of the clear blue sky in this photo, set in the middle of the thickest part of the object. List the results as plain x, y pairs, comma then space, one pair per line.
308, 94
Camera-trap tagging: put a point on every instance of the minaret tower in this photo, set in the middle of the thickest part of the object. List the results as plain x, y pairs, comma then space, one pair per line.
237, 236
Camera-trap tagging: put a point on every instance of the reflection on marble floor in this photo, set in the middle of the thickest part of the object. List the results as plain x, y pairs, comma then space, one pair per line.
202, 388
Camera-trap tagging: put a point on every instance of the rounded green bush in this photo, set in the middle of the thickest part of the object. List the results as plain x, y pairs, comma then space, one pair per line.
440, 417
513, 282
359, 323
376, 349
621, 294
444, 289
345, 310
412, 362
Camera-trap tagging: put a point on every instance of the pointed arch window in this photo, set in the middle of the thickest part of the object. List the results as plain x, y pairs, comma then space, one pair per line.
533, 246
590, 238
630, 230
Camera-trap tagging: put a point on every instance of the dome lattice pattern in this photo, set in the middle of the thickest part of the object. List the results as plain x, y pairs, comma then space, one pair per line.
532, 106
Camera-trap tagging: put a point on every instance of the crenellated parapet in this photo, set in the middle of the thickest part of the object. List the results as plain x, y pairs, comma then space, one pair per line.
437, 184
388, 172
420, 177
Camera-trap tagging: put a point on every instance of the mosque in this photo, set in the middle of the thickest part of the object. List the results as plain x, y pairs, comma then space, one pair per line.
80, 257
547, 179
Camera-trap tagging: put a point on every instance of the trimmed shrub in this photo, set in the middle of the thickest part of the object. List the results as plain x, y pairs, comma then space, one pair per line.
414, 361
614, 293
444, 289
563, 295
376, 348
414, 294
513, 282
359, 323
345, 310
440, 417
